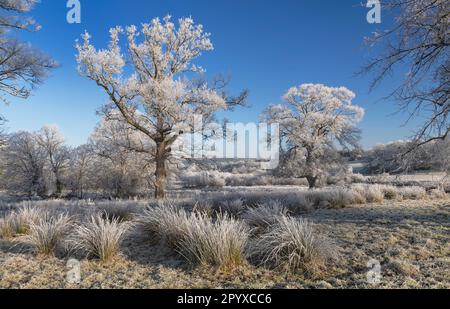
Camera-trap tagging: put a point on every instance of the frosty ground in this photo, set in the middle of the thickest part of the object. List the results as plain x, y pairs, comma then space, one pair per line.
409, 238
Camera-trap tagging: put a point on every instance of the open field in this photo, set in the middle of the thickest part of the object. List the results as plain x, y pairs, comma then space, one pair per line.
211, 148
409, 238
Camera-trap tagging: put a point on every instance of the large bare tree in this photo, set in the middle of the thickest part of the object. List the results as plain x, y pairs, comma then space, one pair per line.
418, 47
152, 85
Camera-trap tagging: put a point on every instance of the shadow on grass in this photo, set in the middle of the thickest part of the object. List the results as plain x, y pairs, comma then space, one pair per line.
15, 246
146, 252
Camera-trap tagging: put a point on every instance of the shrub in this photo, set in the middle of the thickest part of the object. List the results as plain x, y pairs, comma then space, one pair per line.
220, 243
332, 198
100, 237
438, 194
293, 245
275, 181
265, 215
48, 232
357, 198
216, 181
413, 193
390, 192
247, 180
338, 198
357, 178
203, 180
372, 193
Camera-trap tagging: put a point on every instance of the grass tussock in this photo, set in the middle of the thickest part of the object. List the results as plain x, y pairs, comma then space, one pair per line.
293, 245
233, 207
205, 207
99, 237
220, 243
413, 193
371, 193
438, 194
18, 222
299, 203
338, 198
265, 215
197, 237
165, 222
6, 228
391, 193
48, 233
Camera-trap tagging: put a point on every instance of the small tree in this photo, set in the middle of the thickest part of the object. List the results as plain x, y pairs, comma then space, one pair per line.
24, 164
125, 172
57, 154
160, 96
3, 137
80, 172
313, 120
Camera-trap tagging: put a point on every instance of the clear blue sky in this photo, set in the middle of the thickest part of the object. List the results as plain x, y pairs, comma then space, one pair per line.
266, 46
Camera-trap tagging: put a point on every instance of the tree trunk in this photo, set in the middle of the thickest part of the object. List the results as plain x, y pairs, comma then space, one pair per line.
59, 186
80, 191
161, 171
312, 181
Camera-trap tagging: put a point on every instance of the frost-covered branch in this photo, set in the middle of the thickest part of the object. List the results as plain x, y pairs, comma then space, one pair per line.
418, 47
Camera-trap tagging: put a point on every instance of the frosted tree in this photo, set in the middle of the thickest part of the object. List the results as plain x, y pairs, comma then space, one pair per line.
57, 154
24, 163
124, 171
153, 82
2, 133
417, 46
315, 118
22, 67
395, 158
81, 164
